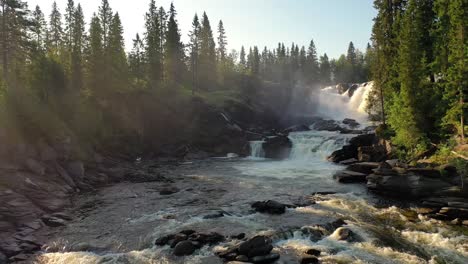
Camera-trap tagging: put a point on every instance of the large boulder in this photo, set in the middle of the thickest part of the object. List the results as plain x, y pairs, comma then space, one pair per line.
184, 248
363, 167
277, 147
345, 153
372, 153
256, 246
297, 128
351, 122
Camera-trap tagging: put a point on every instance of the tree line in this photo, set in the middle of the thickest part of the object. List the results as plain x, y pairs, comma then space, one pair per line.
81, 73
419, 54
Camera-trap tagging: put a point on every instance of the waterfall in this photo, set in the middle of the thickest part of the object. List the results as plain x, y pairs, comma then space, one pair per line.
338, 106
256, 149
315, 145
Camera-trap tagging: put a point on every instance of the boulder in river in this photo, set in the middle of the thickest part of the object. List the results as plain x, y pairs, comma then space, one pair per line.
297, 128
277, 147
351, 122
270, 207
363, 167
184, 248
256, 246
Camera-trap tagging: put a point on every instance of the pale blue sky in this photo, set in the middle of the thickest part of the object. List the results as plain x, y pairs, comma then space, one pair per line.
331, 23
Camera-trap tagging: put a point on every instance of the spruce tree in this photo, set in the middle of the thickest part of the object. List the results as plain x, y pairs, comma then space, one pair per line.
153, 47
174, 50
222, 43
117, 57
77, 48
55, 35
69, 23
242, 59
194, 46
105, 16
325, 70
136, 60
39, 28
207, 55
312, 64
94, 59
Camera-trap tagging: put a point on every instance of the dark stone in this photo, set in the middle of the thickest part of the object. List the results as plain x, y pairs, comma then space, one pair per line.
168, 191
371, 153
309, 260
164, 240
3, 258
453, 213
313, 252
343, 233
270, 207
363, 140
313, 233
187, 232
239, 236
178, 238
184, 248
265, 259
277, 147
350, 177
211, 238
426, 172
363, 167
256, 246
351, 122
345, 153
230, 256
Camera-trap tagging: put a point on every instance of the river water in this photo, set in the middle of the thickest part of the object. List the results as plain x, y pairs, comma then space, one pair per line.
120, 223
130, 217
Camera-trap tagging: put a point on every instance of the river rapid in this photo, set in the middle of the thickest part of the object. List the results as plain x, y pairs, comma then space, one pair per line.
120, 223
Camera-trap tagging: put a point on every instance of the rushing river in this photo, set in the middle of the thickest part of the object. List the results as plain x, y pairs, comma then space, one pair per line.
386, 233
120, 223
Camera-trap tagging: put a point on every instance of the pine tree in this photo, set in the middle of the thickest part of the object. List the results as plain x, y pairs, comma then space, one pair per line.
55, 35
194, 52
153, 47
174, 50
207, 55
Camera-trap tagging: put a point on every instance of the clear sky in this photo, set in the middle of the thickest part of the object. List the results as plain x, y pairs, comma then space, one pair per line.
331, 23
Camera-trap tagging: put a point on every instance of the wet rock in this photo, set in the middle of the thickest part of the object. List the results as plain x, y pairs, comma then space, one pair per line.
256, 246
371, 153
313, 252
210, 238
164, 240
363, 140
20, 258
238, 236
309, 260
277, 147
3, 258
297, 128
349, 161
265, 259
184, 248
237, 262
453, 213
53, 221
315, 233
342, 233
178, 238
270, 207
242, 258
168, 191
351, 122
327, 125
345, 153
350, 177
426, 172
458, 204
187, 232
363, 167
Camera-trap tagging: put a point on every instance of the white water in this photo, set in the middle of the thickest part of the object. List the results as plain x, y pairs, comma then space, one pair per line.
340, 106
305, 172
